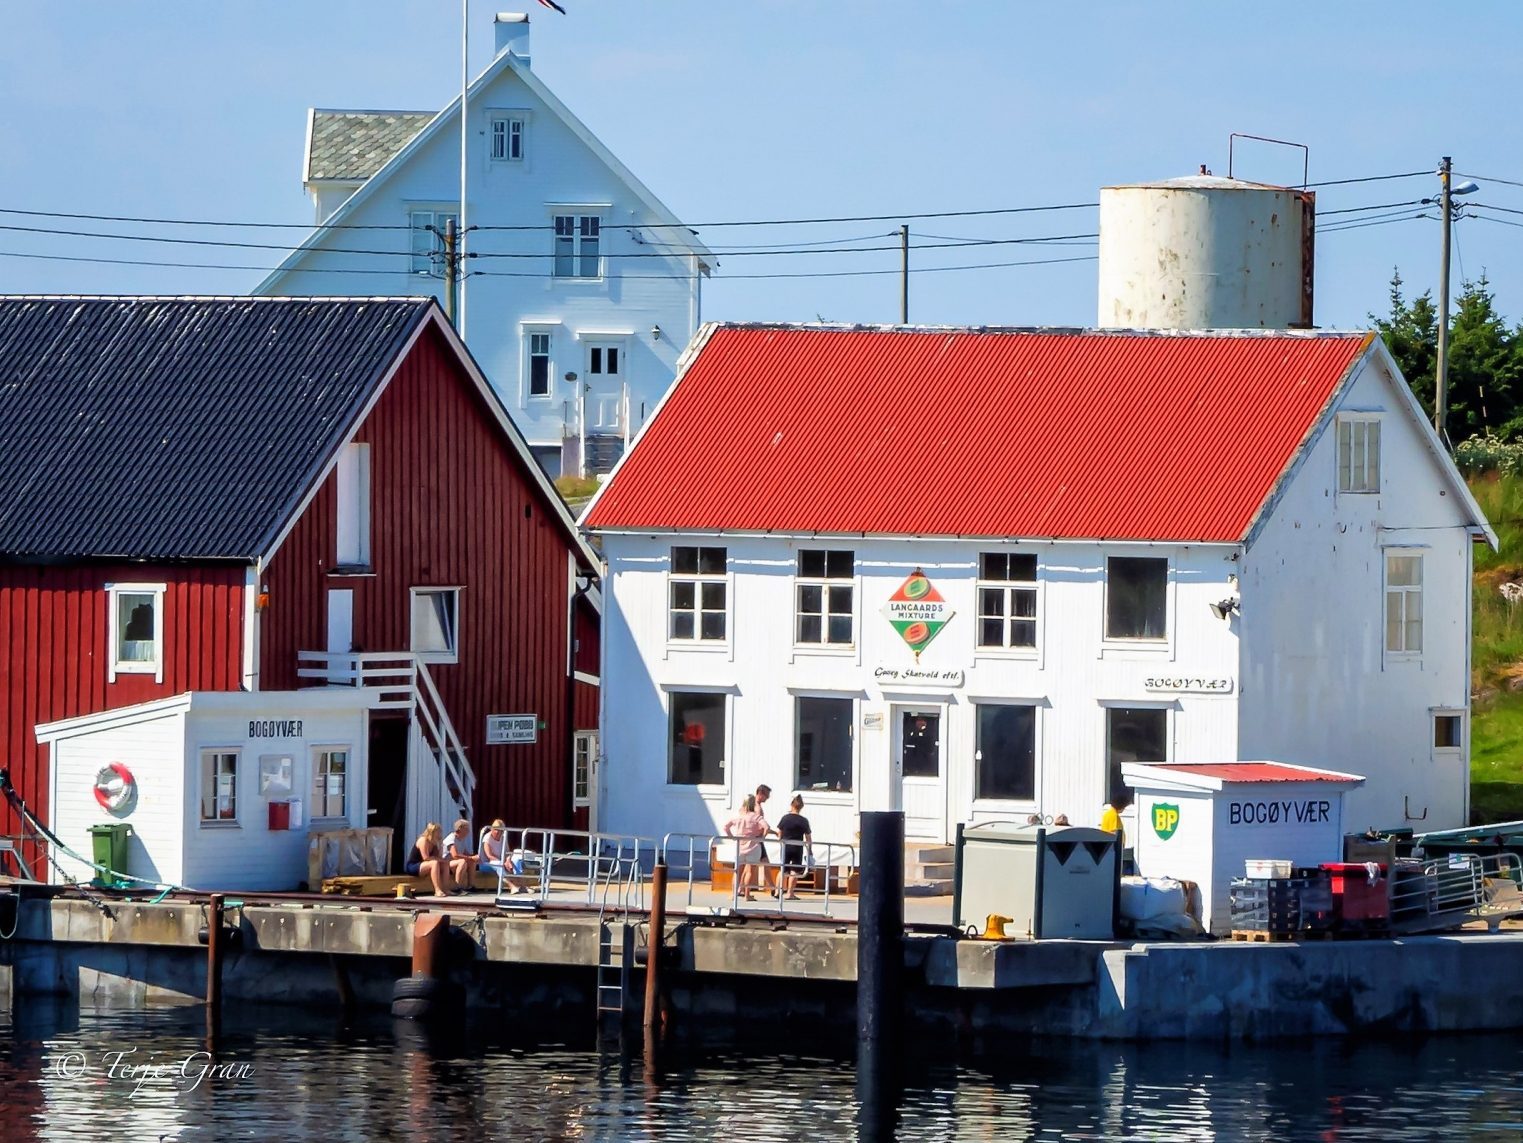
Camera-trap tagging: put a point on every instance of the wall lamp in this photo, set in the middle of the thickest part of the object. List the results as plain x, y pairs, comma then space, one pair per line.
1226, 607
655, 333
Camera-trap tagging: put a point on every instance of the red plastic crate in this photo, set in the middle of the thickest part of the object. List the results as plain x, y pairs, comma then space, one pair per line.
1357, 897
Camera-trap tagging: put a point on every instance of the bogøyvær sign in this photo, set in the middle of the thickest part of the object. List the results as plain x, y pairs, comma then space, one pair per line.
917, 612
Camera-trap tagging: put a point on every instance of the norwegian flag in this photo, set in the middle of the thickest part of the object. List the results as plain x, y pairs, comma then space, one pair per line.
553, 4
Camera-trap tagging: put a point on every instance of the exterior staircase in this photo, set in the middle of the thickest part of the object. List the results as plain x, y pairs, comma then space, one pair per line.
927, 869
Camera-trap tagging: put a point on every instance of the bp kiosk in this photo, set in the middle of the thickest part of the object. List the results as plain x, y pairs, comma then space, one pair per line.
1204, 822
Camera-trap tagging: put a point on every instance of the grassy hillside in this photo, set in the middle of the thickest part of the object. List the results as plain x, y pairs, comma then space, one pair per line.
1496, 737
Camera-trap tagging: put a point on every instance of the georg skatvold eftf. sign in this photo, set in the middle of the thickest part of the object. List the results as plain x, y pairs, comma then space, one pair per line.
917, 612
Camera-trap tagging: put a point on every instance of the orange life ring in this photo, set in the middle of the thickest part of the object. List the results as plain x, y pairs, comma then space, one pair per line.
114, 786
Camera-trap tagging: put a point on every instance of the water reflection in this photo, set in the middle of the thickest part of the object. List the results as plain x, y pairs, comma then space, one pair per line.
66, 1075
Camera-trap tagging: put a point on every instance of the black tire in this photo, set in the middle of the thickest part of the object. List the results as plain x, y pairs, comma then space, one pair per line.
414, 1009
417, 988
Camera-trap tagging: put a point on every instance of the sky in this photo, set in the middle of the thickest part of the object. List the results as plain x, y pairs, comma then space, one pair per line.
775, 111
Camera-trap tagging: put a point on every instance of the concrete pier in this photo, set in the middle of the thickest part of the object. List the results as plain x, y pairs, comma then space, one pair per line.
331, 954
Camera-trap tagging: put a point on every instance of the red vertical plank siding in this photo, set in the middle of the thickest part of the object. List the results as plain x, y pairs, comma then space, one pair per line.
54, 627
588, 659
452, 505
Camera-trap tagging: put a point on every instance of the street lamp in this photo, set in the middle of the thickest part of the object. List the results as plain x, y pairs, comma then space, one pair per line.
1446, 215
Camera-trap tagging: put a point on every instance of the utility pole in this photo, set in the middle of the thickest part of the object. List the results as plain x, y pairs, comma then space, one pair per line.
451, 270
904, 275
1441, 386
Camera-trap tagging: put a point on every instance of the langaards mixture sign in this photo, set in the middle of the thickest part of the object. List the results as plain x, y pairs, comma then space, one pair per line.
917, 611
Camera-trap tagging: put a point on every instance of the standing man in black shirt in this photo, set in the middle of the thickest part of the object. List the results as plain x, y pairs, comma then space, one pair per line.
793, 828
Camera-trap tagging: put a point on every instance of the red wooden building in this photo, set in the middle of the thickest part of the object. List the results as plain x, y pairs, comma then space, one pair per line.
265, 495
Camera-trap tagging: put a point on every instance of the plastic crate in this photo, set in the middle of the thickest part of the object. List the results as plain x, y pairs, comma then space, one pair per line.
1302, 902
1358, 899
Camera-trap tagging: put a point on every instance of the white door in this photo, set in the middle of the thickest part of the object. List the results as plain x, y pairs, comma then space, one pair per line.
920, 767
604, 388
340, 635
584, 776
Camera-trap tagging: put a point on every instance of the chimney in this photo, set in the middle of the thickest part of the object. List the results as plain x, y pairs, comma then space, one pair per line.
512, 34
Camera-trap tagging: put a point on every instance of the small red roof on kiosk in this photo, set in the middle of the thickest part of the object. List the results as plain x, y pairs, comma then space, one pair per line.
1067, 434
1254, 772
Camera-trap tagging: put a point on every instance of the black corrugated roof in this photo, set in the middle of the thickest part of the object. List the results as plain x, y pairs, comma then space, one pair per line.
178, 428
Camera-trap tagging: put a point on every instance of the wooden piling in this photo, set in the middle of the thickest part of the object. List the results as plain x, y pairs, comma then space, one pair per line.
214, 938
430, 931
655, 941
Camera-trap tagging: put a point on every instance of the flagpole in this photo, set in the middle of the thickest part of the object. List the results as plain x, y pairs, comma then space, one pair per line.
465, 75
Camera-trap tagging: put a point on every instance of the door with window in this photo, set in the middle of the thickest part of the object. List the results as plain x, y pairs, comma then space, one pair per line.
603, 392
341, 636
584, 780
919, 771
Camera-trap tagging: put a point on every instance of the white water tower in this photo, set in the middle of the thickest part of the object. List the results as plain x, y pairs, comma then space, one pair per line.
1206, 253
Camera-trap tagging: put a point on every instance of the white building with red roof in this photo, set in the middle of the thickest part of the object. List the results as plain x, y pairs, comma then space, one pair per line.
969, 573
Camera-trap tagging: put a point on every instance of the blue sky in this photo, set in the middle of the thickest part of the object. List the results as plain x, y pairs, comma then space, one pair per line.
735, 111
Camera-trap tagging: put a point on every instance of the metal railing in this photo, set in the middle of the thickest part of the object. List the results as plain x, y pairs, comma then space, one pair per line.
681, 852
1442, 890
610, 869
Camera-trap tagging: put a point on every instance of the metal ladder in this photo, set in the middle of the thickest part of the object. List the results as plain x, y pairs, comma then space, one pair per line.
621, 888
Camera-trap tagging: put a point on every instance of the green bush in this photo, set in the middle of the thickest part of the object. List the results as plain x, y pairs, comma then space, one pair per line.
1487, 453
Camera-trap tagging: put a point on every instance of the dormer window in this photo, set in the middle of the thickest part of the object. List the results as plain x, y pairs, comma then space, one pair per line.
507, 138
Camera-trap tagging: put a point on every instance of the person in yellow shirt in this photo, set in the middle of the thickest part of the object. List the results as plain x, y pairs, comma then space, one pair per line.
1110, 822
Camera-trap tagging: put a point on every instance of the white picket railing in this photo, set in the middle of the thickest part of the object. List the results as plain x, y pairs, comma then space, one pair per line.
402, 682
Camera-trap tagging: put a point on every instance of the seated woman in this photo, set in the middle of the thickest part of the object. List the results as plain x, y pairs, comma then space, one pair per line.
427, 860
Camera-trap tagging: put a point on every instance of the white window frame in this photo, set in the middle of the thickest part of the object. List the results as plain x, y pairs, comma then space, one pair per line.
1407, 593
698, 579
352, 511
314, 754
115, 664
529, 332
827, 797
500, 126
580, 216
584, 752
1366, 480
1138, 642
1026, 805
430, 656
1107, 706
800, 581
430, 262
218, 822
1007, 588
726, 761
1456, 713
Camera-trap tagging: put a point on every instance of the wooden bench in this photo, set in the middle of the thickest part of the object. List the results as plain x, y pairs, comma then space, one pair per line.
722, 876
385, 885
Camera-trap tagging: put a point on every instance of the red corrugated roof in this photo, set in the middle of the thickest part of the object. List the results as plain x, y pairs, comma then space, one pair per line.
1022, 433
1253, 772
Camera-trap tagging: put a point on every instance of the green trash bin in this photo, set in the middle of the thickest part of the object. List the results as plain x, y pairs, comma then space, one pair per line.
110, 850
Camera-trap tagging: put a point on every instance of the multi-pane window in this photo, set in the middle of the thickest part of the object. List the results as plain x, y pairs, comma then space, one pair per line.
824, 596
576, 245
1005, 754
603, 360
696, 603
136, 613
584, 751
219, 785
1404, 603
507, 138
696, 742
822, 743
1133, 734
539, 364
1136, 597
436, 623
1358, 454
1006, 600
428, 227
330, 782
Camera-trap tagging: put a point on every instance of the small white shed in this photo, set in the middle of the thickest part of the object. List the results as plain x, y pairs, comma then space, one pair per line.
201, 771
1204, 822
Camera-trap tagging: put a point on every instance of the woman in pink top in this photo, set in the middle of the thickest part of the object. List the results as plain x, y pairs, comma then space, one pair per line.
748, 825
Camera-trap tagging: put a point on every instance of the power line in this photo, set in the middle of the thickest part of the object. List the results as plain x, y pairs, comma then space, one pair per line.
840, 273
1492, 179
176, 265
1360, 225
1369, 179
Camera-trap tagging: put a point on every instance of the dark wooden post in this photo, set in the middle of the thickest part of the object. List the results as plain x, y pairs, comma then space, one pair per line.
655, 941
214, 956
429, 933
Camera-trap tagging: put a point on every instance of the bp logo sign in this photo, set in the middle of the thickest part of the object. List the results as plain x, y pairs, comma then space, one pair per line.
917, 612
1165, 819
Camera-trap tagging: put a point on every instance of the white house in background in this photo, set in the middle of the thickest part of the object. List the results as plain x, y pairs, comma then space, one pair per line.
969, 573
582, 289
